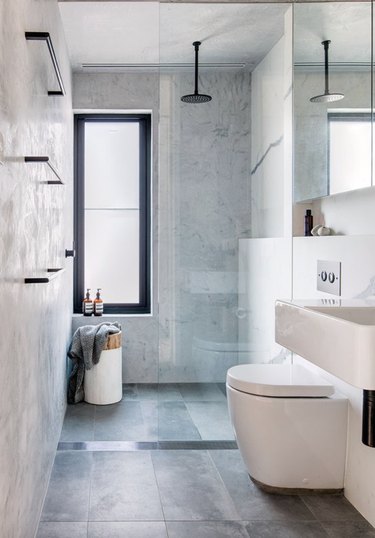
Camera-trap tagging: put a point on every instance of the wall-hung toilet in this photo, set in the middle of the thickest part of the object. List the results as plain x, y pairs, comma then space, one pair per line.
290, 426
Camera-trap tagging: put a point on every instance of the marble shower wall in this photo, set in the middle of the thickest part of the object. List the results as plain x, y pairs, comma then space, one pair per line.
204, 210
200, 209
126, 92
36, 227
265, 259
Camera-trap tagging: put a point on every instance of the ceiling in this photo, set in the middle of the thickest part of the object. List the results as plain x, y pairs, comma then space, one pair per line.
154, 33
346, 25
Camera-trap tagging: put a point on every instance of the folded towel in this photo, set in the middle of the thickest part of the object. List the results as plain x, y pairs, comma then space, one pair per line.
85, 349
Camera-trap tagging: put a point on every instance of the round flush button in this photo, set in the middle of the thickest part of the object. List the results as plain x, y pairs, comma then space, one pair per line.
331, 277
323, 276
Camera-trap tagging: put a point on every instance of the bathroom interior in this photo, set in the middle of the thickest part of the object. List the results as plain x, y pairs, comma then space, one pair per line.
218, 236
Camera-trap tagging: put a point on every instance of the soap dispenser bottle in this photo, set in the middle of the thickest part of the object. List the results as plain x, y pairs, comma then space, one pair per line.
308, 223
87, 304
98, 304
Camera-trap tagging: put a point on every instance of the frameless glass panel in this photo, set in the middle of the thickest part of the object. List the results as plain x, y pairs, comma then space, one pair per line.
112, 164
349, 154
112, 254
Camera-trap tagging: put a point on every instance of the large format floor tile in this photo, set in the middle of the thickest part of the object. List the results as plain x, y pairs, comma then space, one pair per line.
206, 529
129, 529
79, 423
201, 392
332, 508
123, 488
124, 421
211, 419
190, 487
68, 492
291, 529
252, 503
62, 530
349, 529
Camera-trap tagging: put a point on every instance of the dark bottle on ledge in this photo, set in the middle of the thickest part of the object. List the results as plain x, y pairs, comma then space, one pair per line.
87, 304
308, 222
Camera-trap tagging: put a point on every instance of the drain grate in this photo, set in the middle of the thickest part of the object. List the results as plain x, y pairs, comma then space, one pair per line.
132, 446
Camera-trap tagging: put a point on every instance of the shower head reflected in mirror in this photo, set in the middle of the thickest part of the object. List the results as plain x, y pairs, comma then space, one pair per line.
326, 97
196, 97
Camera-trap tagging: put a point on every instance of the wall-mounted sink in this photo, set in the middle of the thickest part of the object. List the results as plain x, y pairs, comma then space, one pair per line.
340, 338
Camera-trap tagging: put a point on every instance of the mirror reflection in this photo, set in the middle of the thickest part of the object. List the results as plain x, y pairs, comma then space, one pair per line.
332, 98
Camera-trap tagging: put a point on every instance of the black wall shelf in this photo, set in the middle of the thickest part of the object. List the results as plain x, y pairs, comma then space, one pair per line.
51, 275
45, 36
45, 159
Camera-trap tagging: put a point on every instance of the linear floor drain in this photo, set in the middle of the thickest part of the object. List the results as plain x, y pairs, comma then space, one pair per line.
132, 446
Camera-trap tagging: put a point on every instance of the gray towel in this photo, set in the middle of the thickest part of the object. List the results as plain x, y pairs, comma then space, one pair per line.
85, 349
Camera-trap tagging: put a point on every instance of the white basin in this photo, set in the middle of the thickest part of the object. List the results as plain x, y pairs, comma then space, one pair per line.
338, 338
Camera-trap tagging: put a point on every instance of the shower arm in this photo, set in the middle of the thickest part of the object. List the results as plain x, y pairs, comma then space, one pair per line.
326, 75
196, 47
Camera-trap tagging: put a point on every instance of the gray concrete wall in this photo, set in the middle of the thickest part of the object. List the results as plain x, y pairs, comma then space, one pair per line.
35, 228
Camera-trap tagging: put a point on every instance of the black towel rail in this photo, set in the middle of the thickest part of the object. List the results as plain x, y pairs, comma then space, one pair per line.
51, 274
45, 159
45, 36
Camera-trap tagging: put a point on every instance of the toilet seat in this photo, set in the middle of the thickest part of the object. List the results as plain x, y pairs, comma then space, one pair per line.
278, 381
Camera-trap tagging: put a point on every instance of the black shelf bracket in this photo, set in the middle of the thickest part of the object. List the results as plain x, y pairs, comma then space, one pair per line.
45, 36
58, 181
51, 275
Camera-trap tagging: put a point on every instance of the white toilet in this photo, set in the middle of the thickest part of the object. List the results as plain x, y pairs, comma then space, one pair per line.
289, 425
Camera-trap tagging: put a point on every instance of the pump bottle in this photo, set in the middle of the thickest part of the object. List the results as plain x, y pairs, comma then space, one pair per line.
87, 304
98, 304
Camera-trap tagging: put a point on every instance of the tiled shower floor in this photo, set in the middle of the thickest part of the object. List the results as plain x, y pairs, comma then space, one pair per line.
102, 490
153, 412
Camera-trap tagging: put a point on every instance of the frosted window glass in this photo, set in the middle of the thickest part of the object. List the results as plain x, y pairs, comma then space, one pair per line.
112, 164
112, 254
349, 155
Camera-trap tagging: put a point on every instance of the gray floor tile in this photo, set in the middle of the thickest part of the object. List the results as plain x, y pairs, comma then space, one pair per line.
148, 391
123, 488
169, 392
349, 529
123, 421
68, 492
206, 529
190, 487
201, 392
62, 530
129, 391
211, 419
175, 422
79, 423
250, 502
292, 529
332, 508
139, 529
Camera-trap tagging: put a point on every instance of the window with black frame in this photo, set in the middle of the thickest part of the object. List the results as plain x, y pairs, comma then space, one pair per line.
112, 210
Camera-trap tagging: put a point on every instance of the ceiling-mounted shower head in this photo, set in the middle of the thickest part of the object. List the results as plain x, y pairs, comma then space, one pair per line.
196, 97
326, 97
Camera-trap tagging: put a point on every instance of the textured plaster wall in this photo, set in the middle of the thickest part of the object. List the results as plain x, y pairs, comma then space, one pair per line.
35, 228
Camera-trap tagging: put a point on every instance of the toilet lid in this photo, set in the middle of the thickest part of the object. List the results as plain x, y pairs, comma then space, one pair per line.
278, 380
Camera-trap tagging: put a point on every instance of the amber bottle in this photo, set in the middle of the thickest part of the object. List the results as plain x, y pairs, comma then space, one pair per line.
98, 304
87, 304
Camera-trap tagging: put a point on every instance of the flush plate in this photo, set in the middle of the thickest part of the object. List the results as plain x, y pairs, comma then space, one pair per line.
329, 277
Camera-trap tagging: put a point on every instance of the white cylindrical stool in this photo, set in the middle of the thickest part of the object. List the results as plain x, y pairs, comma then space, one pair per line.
103, 383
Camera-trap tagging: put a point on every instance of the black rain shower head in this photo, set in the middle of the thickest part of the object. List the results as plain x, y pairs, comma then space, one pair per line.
326, 97
196, 97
